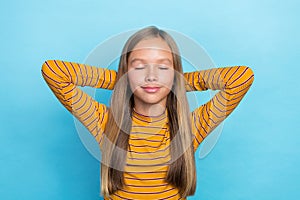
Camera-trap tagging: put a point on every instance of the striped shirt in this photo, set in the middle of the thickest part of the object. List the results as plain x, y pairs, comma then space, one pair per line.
149, 141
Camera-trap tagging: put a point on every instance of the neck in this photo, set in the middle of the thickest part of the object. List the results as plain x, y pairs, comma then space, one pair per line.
150, 110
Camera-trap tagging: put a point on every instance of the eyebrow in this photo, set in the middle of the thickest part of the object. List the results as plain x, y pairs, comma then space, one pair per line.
143, 60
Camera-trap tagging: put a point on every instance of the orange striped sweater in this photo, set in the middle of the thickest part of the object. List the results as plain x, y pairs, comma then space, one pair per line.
149, 138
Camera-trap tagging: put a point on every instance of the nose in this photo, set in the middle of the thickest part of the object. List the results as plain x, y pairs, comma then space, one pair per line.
151, 75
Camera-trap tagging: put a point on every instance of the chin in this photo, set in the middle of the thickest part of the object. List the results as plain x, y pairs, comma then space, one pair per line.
151, 102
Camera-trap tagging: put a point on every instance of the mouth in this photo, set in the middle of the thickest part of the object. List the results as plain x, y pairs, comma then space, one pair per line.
149, 89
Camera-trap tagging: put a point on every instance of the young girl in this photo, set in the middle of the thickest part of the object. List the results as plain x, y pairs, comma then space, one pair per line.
148, 136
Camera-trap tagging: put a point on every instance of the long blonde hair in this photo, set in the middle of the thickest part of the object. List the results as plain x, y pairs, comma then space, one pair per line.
181, 172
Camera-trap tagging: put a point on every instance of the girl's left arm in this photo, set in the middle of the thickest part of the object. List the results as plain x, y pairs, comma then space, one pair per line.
233, 83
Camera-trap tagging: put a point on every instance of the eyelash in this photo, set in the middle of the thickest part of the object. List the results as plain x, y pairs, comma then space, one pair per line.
162, 68
139, 68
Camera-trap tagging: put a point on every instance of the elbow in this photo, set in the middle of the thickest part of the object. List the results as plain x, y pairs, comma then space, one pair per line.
246, 74
44, 66
245, 78
249, 75
46, 70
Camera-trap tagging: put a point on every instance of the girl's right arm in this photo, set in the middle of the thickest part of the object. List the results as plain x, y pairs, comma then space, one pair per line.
63, 78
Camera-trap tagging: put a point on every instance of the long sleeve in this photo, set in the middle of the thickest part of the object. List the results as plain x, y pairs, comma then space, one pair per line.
233, 83
63, 78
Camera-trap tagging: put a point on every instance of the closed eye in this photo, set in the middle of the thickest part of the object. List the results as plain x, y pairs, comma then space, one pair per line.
139, 68
163, 67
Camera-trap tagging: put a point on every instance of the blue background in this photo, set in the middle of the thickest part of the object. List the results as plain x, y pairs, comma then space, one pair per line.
257, 155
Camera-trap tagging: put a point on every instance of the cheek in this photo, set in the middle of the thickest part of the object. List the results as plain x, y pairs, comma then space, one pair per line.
135, 79
167, 79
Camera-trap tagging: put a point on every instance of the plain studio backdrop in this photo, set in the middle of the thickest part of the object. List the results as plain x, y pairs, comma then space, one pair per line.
257, 154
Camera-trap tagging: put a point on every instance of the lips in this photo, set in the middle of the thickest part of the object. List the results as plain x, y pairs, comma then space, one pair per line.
151, 89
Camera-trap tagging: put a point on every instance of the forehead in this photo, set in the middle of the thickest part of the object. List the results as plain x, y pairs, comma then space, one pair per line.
151, 50
152, 43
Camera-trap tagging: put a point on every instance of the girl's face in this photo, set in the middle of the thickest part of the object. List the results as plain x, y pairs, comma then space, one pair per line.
151, 72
